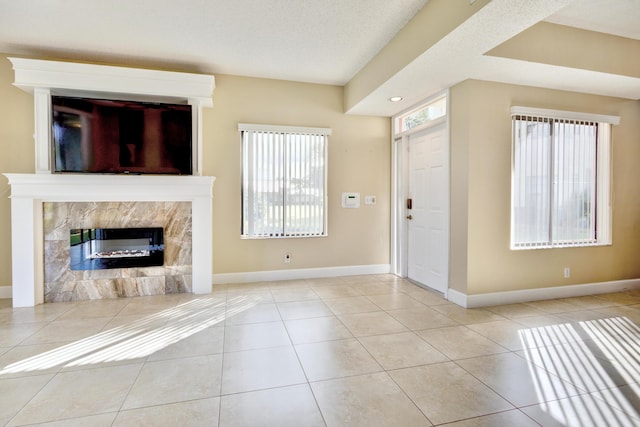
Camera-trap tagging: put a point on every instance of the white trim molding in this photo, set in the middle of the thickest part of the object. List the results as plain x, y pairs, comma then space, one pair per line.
297, 274
74, 76
538, 294
567, 115
285, 129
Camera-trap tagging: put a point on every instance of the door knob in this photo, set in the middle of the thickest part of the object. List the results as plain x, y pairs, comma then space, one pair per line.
409, 217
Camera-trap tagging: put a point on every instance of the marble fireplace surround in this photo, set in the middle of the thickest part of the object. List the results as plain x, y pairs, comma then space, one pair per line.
62, 283
29, 192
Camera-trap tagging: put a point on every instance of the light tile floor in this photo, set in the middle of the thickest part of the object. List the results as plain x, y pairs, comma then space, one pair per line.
364, 351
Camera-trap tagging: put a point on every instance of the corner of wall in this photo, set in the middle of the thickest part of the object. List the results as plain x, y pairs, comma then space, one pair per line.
459, 199
5, 292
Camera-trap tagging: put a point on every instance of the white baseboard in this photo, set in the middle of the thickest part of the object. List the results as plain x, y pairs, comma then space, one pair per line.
303, 273
527, 295
5, 292
457, 297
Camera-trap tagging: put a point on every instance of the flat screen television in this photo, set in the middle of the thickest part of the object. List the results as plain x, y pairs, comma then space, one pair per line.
110, 136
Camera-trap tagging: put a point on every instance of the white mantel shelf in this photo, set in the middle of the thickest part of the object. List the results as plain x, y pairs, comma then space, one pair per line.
108, 188
30, 191
74, 76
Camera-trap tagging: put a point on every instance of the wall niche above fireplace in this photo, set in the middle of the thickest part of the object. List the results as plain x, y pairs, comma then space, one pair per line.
45, 78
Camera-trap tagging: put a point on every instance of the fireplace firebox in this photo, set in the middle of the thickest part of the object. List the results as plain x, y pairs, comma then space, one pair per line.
104, 248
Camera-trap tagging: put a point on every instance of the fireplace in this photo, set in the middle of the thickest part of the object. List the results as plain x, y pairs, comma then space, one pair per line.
44, 208
105, 248
182, 204
96, 250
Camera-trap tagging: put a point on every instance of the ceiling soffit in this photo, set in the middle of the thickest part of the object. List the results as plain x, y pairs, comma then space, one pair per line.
503, 41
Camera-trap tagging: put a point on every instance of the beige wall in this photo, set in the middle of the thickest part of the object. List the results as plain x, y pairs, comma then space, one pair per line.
481, 138
359, 160
459, 186
573, 48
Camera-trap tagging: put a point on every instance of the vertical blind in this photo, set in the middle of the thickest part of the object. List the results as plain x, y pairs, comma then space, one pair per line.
560, 183
283, 181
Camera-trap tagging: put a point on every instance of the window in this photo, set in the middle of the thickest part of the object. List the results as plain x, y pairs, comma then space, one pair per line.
425, 113
284, 181
560, 190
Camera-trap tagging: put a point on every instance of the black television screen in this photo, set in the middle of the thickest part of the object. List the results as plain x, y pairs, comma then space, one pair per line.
109, 136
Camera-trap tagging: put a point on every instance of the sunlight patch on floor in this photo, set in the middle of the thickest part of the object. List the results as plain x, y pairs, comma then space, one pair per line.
600, 357
137, 339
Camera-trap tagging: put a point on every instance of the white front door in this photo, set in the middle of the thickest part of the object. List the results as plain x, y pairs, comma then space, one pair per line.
427, 218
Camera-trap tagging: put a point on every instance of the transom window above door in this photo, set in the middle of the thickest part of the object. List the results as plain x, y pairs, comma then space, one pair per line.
429, 111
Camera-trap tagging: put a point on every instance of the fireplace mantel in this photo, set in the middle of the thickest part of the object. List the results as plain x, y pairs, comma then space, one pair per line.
30, 191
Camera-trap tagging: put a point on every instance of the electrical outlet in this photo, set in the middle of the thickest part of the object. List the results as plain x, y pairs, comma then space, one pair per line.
287, 258
567, 272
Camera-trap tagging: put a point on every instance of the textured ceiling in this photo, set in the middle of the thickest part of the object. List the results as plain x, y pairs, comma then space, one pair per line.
322, 41
617, 17
464, 53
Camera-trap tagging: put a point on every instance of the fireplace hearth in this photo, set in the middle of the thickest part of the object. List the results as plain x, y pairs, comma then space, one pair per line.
105, 248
